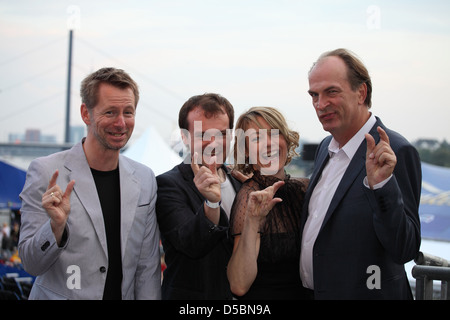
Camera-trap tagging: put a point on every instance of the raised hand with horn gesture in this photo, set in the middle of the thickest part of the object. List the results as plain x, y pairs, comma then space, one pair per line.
380, 158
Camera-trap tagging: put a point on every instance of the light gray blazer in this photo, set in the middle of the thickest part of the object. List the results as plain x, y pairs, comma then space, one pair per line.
78, 269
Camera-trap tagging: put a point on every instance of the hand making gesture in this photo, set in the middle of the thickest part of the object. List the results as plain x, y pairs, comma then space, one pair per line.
380, 158
57, 205
206, 179
261, 202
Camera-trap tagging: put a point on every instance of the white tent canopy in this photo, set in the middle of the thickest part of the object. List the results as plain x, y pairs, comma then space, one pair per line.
150, 149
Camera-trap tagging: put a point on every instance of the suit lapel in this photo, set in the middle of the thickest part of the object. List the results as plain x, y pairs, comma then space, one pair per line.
86, 191
357, 164
321, 160
353, 170
129, 198
234, 182
188, 176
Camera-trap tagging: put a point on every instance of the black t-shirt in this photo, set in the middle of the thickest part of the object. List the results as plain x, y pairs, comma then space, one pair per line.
108, 189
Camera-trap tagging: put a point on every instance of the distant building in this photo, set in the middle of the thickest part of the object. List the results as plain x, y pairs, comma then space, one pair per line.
32, 135
77, 133
48, 139
16, 138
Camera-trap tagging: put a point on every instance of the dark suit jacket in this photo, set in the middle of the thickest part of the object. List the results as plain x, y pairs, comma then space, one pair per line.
363, 227
196, 250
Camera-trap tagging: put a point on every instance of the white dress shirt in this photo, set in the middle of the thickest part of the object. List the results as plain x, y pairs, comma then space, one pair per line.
228, 194
323, 193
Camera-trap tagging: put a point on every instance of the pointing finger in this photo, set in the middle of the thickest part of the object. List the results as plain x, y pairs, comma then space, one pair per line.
194, 165
52, 182
277, 185
370, 145
69, 189
212, 165
383, 135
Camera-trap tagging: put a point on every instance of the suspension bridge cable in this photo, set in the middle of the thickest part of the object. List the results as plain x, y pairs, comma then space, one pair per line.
23, 54
153, 82
31, 78
30, 106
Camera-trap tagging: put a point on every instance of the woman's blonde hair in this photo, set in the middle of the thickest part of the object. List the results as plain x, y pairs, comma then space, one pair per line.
276, 121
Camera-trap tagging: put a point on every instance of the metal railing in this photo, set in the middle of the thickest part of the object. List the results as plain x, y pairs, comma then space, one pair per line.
427, 269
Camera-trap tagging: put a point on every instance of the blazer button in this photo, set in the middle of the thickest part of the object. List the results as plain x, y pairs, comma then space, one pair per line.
102, 269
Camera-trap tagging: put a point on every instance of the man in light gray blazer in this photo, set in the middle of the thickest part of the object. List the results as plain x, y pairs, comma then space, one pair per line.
89, 228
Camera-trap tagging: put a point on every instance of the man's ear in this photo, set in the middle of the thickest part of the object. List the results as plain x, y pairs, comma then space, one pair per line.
362, 93
185, 137
85, 115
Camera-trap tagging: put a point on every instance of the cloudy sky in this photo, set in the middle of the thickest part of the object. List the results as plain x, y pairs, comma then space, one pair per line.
253, 52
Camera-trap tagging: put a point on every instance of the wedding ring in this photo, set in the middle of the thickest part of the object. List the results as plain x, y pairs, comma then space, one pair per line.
51, 194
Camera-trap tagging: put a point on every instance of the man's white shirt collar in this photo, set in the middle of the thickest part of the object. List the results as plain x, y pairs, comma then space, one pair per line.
353, 144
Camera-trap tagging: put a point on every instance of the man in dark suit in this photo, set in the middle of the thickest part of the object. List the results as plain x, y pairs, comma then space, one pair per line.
194, 202
362, 202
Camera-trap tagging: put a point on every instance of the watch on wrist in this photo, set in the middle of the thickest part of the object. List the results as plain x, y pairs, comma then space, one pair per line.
213, 205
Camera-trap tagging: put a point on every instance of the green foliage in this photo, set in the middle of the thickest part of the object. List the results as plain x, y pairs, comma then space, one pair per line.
434, 152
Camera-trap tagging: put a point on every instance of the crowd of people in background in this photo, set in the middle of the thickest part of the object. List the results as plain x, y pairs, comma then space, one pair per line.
9, 238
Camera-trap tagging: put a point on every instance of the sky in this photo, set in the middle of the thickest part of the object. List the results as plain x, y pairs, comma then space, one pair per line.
253, 52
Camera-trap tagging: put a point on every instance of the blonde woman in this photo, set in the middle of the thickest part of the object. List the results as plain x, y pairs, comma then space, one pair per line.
265, 217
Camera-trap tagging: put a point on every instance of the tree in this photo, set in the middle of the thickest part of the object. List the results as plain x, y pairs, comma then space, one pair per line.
434, 153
